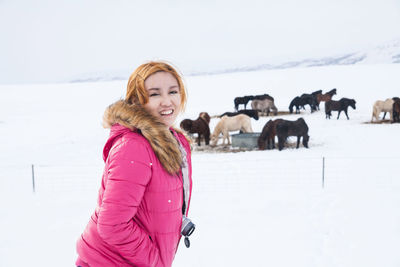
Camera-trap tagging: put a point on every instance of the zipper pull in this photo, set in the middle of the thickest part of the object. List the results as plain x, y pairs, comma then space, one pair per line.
187, 242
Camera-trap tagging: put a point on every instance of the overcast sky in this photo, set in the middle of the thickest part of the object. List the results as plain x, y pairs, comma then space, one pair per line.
45, 41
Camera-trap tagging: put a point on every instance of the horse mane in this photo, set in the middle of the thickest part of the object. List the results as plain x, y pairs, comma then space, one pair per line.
218, 127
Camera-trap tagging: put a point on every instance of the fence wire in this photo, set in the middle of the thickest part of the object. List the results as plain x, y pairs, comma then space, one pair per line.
222, 175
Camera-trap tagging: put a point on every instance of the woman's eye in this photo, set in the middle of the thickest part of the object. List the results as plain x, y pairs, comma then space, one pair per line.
154, 94
174, 92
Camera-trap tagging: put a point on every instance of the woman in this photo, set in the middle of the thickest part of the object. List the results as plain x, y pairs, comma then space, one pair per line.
146, 183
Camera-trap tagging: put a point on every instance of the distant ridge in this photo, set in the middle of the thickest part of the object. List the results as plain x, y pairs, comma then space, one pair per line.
384, 54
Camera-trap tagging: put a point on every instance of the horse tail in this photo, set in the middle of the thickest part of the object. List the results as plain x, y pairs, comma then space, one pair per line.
375, 112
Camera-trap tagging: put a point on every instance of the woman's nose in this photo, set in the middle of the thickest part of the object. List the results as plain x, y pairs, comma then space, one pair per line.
166, 100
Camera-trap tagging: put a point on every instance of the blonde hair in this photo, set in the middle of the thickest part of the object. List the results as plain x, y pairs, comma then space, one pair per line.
136, 91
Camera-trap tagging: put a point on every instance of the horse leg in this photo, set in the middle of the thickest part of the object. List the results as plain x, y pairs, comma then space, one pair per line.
268, 143
384, 114
345, 112
226, 136
338, 114
281, 141
305, 140
199, 137
298, 141
273, 142
207, 139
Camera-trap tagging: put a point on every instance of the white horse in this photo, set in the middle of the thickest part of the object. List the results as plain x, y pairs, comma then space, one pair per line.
382, 106
228, 124
265, 105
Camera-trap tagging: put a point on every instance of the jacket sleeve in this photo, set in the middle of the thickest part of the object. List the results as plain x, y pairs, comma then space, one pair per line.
128, 174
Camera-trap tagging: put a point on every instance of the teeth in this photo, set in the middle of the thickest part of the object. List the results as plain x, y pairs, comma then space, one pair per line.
168, 112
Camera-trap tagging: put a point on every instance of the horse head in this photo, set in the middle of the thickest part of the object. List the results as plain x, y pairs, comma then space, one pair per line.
256, 117
186, 125
205, 117
353, 103
214, 140
291, 107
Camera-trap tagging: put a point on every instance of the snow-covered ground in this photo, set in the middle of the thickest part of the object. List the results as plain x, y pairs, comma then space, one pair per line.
258, 208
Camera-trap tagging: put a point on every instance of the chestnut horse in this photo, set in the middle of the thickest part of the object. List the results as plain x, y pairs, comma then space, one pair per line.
199, 126
396, 111
326, 97
267, 136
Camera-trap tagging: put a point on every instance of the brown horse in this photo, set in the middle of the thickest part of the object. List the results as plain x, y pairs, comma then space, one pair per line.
325, 97
199, 126
267, 136
396, 111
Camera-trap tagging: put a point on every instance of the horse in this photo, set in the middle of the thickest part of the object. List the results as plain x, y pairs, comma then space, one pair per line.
311, 100
326, 97
396, 111
264, 96
341, 105
252, 113
394, 98
382, 106
227, 124
299, 102
285, 128
242, 100
267, 136
316, 94
199, 126
265, 105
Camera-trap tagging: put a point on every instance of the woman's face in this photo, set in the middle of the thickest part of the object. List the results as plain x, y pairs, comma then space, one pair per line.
164, 97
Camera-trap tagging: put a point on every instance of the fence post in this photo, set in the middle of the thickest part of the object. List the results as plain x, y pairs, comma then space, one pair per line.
323, 172
33, 178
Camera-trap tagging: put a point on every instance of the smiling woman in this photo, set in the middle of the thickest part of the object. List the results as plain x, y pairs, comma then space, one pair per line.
146, 184
164, 97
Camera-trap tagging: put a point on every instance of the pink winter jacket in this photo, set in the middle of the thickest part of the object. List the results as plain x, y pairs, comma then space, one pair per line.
138, 218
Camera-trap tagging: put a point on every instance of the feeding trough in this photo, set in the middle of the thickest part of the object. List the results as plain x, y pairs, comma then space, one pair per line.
245, 140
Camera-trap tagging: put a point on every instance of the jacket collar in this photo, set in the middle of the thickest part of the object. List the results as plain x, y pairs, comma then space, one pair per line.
134, 117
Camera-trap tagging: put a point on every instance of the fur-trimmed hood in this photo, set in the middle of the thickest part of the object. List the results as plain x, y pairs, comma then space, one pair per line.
135, 118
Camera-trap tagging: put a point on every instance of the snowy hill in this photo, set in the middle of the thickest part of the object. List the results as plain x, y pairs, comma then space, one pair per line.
384, 54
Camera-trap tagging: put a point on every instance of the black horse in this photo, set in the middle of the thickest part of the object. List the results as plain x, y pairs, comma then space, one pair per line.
341, 105
242, 100
252, 113
316, 94
301, 101
287, 128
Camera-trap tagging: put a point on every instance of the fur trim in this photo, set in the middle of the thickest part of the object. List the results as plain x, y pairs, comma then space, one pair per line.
162, 141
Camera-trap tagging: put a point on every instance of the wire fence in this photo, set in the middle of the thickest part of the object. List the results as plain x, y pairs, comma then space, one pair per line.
222, 175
